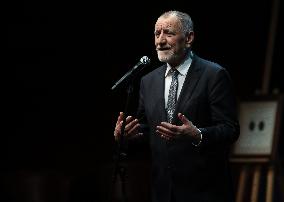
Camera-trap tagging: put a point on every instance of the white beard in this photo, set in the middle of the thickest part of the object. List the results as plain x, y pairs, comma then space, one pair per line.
166, 56
169, 56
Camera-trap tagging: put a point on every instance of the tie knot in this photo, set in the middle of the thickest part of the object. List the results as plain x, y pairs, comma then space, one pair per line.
174, 72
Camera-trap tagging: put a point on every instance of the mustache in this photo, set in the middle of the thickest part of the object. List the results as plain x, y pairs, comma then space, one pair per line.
163, 48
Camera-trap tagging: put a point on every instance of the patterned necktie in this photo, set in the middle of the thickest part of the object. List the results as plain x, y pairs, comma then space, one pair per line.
172, 98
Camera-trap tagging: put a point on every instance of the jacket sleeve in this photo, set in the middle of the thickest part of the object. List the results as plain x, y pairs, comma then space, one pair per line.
224, 129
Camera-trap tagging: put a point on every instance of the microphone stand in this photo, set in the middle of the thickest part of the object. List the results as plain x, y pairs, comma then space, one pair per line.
121, 155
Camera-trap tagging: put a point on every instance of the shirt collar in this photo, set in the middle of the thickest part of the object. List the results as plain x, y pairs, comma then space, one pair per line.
183, 68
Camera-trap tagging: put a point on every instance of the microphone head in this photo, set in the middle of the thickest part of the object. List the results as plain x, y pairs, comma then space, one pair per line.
145, 60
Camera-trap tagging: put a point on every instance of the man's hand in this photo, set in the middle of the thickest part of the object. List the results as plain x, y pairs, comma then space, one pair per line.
170, 131
131, 127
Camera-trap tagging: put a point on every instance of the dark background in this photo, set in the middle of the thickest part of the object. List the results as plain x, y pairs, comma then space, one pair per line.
67, 57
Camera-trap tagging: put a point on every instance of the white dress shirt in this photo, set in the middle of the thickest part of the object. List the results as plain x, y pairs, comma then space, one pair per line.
182, 69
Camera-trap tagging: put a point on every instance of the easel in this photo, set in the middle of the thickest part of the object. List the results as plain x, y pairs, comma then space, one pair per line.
271, 163
258, 166
261, 158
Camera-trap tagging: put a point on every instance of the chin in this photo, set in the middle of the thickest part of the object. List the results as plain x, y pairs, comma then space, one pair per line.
164, 57
168, 59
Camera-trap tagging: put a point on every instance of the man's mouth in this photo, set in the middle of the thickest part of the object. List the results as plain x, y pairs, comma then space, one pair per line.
163, 48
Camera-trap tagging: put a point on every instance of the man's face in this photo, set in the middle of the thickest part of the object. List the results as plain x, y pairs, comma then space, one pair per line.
170, 41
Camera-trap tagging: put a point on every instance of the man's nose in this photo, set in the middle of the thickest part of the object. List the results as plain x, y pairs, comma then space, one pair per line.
162, 39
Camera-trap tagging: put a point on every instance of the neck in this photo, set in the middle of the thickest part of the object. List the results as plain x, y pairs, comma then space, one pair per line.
181, 59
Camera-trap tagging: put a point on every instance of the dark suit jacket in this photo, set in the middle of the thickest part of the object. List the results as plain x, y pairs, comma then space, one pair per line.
181, 170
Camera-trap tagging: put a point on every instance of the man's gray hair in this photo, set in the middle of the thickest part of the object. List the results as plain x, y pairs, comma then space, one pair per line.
185, 19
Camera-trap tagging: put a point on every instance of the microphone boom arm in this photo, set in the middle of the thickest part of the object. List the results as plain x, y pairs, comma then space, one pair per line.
132, 72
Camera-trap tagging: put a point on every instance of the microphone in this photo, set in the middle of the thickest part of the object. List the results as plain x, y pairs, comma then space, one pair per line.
132, 72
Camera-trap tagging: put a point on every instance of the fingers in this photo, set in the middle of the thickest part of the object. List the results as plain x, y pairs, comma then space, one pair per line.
164, 135
187, 128
134, 130
118, 125
183, 119
117, 130
131, 126
120, 118
129, 119
167, 130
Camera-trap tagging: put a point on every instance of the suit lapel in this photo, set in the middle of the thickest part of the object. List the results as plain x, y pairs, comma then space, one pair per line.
161, 92
189, 85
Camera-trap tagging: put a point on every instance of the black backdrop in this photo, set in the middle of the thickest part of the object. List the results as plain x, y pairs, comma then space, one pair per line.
68, 55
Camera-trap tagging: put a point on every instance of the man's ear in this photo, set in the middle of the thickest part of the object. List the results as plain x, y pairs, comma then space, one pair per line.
189, 38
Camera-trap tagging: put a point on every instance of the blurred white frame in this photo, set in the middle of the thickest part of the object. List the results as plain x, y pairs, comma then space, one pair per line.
259, 120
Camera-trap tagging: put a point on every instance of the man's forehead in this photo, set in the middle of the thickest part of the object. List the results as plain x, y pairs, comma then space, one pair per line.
163, 25
167, 22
